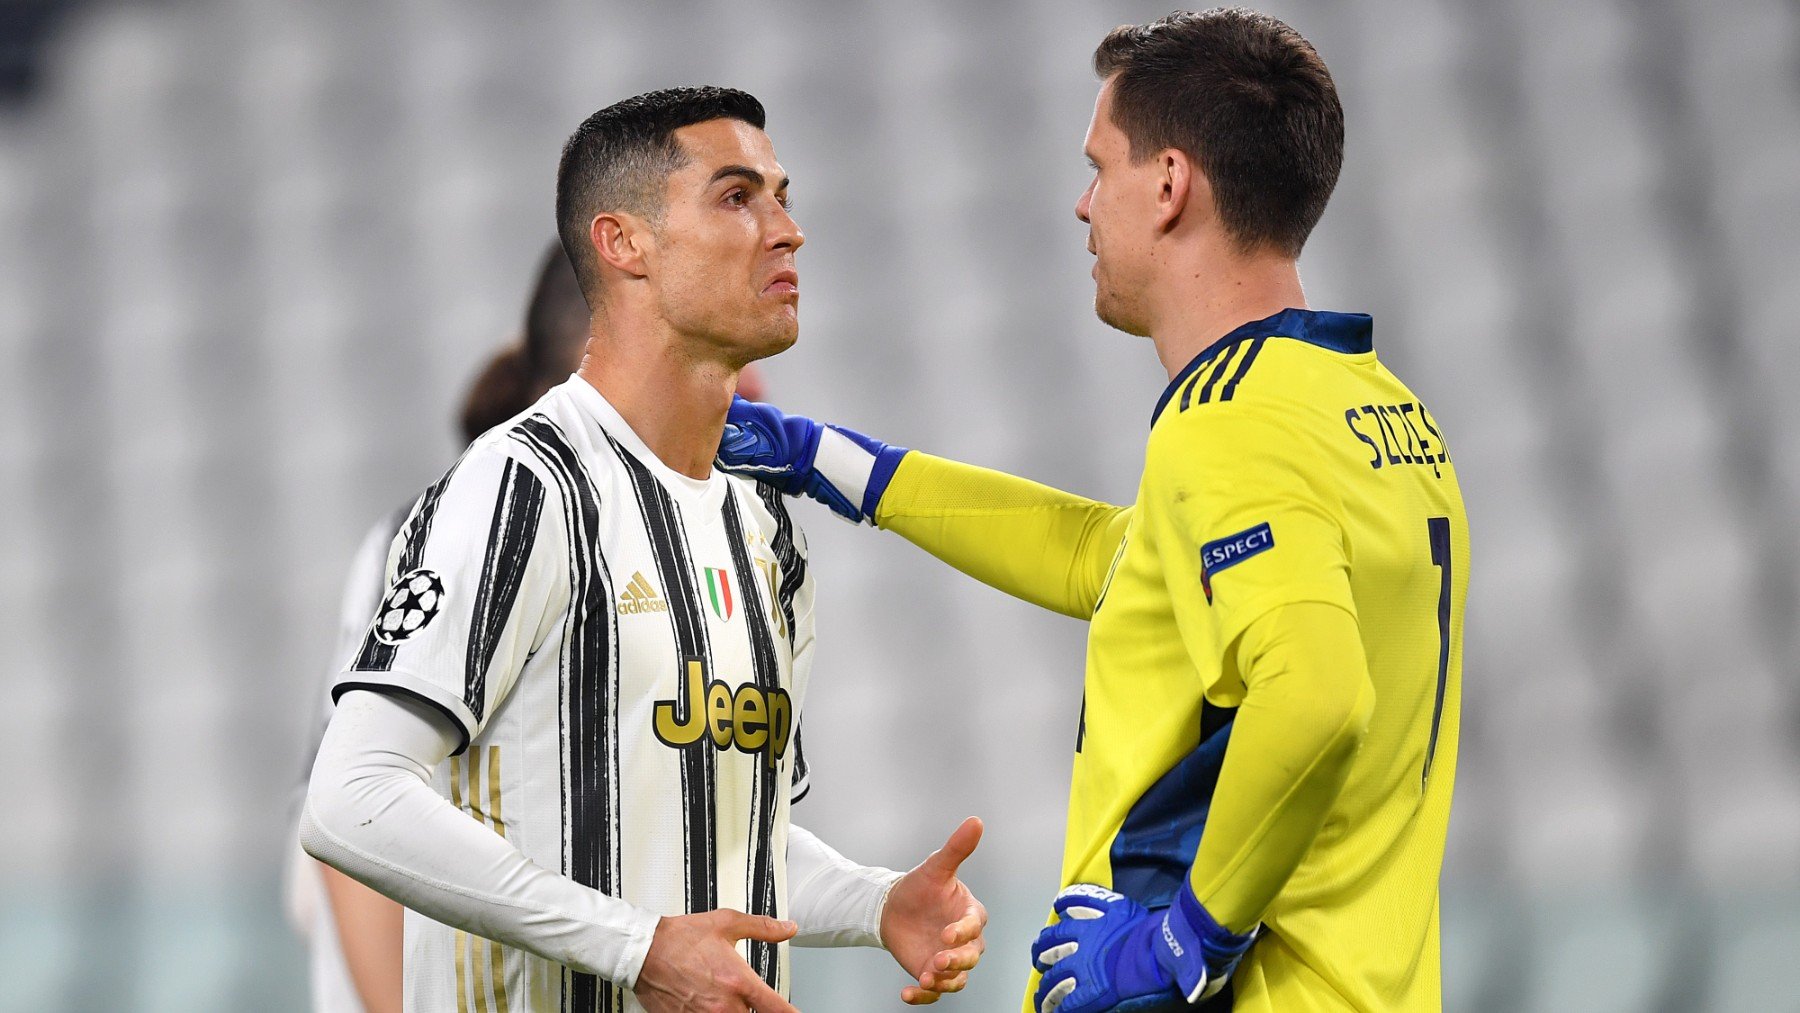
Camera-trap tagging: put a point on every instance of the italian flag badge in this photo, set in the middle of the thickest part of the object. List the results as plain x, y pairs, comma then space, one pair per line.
718, 592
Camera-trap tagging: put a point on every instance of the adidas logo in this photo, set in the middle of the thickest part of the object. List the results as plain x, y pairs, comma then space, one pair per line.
639, 596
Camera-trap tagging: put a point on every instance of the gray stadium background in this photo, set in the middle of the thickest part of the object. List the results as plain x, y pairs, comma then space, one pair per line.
254, 250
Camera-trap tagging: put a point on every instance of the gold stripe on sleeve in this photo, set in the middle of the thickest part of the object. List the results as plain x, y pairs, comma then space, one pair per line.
462, 980
494, 818
497, 971
456, 781
474, 783
496, 952
478, 944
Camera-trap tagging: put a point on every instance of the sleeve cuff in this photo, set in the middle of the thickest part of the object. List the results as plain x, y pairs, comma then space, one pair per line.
405, 684
640, 932
881, 883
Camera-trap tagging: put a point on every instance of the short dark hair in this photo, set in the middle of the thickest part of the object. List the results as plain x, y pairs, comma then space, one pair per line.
619, 158
1245, 96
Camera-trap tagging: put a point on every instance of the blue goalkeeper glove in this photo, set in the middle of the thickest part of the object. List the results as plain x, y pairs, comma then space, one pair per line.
842, 469
1106, 952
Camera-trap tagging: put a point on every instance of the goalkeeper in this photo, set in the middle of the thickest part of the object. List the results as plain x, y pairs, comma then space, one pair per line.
1269, 726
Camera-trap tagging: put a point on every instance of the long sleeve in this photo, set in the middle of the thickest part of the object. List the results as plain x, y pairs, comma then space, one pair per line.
1033, 542
372, 814
834, 901
1307, 704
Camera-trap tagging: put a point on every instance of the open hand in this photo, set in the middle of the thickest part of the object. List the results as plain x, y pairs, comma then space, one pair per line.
932, 924
694, 966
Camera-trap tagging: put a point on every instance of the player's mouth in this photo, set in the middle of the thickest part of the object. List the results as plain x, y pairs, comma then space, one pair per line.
784, 283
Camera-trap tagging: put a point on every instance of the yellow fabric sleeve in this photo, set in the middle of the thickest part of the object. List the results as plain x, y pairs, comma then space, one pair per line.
1047, 547
1244, 521
1307, 704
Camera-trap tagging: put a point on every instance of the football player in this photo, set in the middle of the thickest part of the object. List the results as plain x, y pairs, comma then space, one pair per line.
1274, 663
569, 739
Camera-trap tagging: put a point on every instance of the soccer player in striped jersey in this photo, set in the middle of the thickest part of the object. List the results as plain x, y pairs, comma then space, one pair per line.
1274, 653
570, 737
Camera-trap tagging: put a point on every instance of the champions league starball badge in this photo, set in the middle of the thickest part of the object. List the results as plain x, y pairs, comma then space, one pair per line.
409, 606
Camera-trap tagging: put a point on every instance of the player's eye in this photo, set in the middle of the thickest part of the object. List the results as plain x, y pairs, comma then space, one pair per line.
786, 202
737, 197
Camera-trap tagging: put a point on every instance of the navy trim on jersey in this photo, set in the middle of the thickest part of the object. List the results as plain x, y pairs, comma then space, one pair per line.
1250, 355
1212, 378
1155, 845
1345, 333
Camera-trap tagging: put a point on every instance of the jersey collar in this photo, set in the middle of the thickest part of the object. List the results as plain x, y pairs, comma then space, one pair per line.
1346, 333
708, 492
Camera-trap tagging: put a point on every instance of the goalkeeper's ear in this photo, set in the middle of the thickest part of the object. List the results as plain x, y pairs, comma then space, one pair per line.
1183, 187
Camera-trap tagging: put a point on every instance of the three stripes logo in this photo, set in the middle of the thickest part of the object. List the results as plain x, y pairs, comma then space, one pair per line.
639, 597
718, 593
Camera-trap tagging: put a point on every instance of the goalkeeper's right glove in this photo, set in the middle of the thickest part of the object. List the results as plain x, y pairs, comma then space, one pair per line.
840, 468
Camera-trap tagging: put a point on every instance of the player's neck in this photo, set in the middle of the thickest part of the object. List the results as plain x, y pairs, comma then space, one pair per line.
1205, 302
672, 399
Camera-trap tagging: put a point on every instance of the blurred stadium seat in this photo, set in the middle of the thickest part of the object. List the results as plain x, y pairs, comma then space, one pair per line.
254, 249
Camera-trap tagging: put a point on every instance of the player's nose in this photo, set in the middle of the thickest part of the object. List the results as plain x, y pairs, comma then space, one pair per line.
784, 233
1084, 203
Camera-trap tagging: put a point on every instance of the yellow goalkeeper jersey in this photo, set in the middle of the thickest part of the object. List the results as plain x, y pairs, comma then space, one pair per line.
1286, 466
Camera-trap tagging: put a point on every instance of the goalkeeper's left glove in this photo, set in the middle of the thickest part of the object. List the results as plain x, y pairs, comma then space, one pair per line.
840, 468
1108, 953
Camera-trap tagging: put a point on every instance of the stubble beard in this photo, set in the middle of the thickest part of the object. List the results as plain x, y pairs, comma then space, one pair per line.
1114, 310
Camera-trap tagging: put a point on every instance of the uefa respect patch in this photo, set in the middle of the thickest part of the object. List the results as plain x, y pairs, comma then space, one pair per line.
1225, 553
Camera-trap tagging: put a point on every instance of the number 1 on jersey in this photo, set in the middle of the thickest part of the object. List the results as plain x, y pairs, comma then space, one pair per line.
1438, 528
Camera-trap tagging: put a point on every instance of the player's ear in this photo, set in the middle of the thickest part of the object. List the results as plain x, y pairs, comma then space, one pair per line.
1177, 180
619, 241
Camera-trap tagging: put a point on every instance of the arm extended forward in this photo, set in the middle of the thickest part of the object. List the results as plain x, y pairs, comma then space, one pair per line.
1048, 547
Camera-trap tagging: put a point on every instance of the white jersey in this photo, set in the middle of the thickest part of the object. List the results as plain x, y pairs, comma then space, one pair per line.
624, 651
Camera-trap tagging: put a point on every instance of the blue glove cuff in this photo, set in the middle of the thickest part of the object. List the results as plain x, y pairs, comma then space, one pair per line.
881, 472
1194, 948
886, 463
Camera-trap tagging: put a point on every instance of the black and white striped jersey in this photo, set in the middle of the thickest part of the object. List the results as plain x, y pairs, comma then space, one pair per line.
624, 651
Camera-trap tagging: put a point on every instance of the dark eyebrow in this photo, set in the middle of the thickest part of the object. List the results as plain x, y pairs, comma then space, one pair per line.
748, 174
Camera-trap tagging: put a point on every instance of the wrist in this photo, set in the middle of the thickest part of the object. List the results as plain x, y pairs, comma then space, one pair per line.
874, 923
1194, 948
857, 467
631, 938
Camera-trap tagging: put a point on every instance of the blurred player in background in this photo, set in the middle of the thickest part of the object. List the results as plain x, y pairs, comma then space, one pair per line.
1269, 728
354, 933
569, 740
